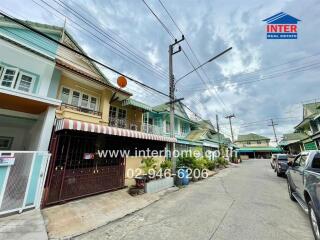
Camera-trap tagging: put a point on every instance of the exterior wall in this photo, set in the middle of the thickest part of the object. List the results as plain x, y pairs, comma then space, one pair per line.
263, 143
103, 97
134, 115
134, 163
24, 60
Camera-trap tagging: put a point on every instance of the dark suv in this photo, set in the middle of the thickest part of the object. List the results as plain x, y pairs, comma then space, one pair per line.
281, 164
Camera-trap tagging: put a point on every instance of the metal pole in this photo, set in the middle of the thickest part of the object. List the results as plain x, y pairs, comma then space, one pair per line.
171, 95
274, 130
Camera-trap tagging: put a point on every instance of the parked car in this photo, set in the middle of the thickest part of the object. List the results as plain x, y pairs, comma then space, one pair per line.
304, 185
273, 161
281, 164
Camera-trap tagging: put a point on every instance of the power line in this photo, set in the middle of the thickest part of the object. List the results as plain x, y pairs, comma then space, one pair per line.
134, 59
79, 53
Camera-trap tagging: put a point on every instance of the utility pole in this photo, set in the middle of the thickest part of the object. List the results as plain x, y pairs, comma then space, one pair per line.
229, 117
217, 121
274, 130
172, 98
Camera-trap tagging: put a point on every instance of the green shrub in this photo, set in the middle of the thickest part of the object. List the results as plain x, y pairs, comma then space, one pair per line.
186, 161
167, 164
148, 164
211, 165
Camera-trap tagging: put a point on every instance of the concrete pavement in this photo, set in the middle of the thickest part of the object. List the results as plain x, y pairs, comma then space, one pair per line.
244, 202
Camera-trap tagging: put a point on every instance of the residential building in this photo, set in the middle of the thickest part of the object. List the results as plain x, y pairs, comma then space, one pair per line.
27, 110
254, 146
94, 116
310, 126
292, 142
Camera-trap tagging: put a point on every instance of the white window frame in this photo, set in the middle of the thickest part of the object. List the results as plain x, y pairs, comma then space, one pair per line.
80, 98
14, 79
19, 80
1, 70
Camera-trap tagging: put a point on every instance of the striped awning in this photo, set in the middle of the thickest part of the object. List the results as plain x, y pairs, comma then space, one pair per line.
97, 128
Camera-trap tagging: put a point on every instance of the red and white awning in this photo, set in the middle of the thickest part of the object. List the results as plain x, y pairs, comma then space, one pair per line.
97, 128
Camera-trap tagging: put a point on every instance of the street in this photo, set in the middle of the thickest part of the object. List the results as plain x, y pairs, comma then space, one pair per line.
247, 201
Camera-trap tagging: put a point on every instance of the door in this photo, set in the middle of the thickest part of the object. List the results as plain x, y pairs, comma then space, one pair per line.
297, 173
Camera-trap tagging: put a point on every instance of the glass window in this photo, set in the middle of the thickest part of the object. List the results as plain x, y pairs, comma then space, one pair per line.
84, 100
316, 161
248, 142
258, 142
9, 77
122, 114
5, 143
112, 112
75, 98
93, 103
65, 95
303, 160
25, 83
297, 161
167, 126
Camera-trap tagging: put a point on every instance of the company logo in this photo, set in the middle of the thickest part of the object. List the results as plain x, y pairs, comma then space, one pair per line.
282, 26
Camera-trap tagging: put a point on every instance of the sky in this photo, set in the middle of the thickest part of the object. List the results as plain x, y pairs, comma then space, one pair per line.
257, 80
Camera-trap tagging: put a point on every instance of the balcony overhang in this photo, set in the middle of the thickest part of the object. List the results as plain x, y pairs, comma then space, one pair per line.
22, 102
69, 124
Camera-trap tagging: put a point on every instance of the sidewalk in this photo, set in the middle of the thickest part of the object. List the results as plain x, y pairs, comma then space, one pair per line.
25, 226
78, 217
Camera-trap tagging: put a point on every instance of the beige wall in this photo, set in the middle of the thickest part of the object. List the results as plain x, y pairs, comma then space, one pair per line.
134, 115
133, 165
263, 143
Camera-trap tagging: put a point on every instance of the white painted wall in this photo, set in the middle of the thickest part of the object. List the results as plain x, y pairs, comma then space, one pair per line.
18, 135
24, 59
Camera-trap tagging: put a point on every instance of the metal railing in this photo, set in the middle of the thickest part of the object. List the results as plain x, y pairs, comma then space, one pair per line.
23, 174
153, 129
124, 123
80, 109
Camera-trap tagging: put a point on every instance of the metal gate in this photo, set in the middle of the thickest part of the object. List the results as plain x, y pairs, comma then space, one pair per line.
22, 175
75, 171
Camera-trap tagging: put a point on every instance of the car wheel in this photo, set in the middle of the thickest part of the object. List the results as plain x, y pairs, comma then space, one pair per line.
314, 219
278, 173
290, 192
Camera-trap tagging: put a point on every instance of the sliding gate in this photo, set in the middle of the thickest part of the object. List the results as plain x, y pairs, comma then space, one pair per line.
22, 175
76, 171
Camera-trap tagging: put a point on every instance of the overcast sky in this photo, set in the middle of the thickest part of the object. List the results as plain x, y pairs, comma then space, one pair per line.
288, 70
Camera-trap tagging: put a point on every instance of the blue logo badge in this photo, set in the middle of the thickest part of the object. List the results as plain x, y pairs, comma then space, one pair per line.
282, 26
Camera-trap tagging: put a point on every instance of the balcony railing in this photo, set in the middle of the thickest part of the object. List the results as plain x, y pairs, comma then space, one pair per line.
79, 109
153, 129
124, 123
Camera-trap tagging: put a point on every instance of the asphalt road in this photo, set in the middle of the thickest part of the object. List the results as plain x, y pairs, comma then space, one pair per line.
244, 202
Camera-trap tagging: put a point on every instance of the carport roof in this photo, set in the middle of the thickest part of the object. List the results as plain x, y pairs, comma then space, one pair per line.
260, 149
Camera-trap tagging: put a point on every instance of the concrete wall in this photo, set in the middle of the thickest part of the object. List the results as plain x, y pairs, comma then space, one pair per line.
133, 165
263, 143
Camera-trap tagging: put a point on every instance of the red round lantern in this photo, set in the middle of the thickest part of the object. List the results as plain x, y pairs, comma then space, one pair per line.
122, 81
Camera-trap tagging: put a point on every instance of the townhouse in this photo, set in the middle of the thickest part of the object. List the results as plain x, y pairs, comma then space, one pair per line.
254, 146
27, 111
306, 134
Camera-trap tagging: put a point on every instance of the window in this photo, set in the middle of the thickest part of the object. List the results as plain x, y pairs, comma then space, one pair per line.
112, 112
303, 160
8, 77
93, 103
122, 114
316, 161
5, 143
258, 142
84, 101
167, 126
65, 95
248, 142
75, 98
25, 82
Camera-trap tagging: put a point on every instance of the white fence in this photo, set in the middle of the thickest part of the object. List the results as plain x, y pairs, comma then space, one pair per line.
22, 176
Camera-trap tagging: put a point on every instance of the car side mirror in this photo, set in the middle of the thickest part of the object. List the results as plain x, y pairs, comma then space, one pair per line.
290, 164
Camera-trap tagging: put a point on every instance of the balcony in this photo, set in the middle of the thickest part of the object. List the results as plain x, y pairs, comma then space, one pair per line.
134, 125
79, 109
